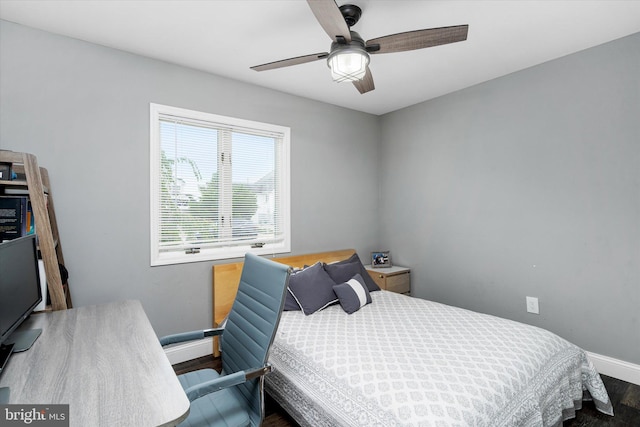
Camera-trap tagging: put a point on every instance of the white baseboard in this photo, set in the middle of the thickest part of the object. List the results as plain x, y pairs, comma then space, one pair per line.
190, 350
616, 368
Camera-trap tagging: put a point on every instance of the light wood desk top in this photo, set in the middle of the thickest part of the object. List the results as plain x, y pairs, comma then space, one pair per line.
104, 361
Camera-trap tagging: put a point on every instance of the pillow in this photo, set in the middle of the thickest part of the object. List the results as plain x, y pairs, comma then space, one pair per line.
344, 270
353, 294
312, 288
290, 303
351, 259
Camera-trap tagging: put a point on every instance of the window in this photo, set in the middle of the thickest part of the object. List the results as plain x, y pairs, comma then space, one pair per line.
219, 187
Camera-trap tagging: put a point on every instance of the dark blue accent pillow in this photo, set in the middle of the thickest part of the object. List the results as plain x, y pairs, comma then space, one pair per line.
353, 294
343, 271
290, 303
312, 289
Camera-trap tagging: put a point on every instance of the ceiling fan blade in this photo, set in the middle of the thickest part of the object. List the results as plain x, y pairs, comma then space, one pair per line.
330, 18
291, 61
418, 39
366, 84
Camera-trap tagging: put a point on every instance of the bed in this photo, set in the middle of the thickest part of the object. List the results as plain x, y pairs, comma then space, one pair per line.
407, 361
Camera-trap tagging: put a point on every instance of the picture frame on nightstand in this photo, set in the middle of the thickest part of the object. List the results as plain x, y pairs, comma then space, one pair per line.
380, 259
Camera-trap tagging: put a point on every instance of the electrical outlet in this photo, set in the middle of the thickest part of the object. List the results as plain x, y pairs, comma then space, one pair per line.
532, 305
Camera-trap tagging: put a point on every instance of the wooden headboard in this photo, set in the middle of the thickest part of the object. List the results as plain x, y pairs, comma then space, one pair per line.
226, 277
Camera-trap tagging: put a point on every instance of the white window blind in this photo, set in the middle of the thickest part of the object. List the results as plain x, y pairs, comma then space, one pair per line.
219, 186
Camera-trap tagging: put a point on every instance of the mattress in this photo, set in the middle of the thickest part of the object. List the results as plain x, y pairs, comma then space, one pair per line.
407, 361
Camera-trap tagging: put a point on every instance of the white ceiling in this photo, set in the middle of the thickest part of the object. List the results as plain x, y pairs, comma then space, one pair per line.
227, 37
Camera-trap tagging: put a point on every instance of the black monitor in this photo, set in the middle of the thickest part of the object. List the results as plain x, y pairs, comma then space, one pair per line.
20, 292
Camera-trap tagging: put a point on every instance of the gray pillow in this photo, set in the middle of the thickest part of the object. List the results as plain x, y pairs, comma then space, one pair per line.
312, 289
353, 294
290, 303
344, 270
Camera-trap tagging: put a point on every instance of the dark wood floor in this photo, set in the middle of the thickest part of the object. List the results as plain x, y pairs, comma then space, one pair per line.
624, 396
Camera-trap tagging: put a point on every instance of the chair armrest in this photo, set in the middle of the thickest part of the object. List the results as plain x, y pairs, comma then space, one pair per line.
199, 390
189, 336
229, 380
258, 372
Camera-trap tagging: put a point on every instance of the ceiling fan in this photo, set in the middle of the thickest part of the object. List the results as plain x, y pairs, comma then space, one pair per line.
348, 57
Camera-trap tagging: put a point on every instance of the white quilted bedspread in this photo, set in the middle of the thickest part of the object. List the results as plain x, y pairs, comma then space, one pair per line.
407, 361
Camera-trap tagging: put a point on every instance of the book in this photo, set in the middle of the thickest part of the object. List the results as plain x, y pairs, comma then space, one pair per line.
5, 171
16, 218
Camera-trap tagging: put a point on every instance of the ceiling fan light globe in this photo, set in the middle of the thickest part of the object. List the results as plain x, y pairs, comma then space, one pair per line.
348, 65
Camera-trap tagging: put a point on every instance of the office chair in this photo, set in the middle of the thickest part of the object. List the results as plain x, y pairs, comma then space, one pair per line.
235, 397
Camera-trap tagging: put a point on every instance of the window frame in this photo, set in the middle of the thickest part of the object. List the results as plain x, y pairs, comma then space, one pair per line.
158, 258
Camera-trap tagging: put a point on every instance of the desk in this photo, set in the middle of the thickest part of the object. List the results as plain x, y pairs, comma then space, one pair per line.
104, 361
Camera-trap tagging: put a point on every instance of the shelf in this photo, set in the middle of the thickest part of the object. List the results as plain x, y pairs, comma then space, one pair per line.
35, 185
17, 187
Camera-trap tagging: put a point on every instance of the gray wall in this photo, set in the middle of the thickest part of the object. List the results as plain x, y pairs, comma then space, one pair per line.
83, 110
526, 185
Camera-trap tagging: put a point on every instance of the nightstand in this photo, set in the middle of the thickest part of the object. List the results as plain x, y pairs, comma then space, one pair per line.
394, 279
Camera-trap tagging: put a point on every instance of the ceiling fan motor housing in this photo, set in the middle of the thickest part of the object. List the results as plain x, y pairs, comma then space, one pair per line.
356, 43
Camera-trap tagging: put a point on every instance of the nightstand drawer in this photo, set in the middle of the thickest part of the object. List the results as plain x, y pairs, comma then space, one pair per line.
394, 279
399, 283
379, 279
